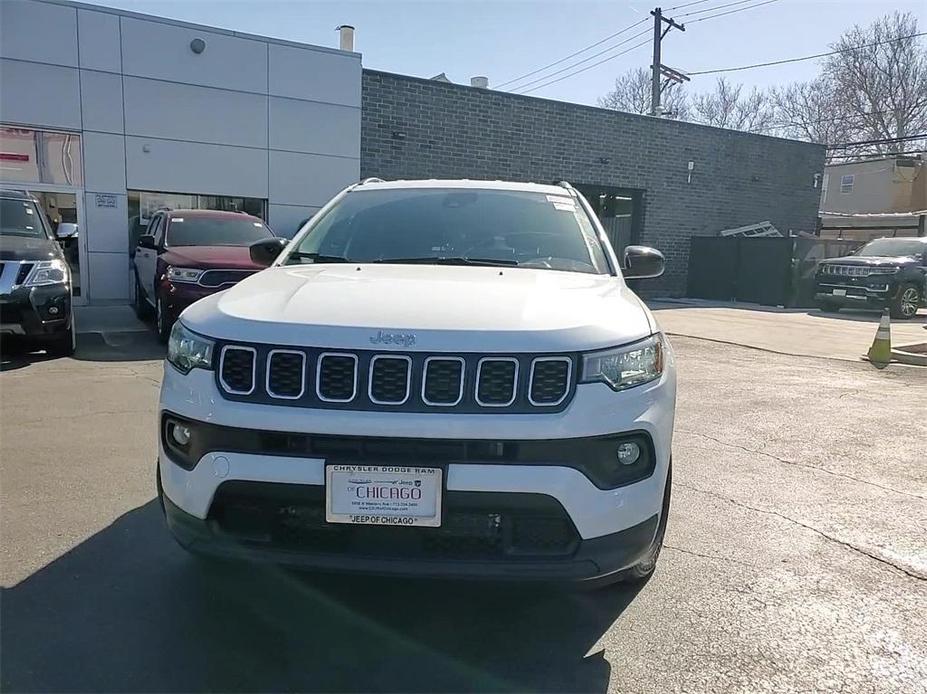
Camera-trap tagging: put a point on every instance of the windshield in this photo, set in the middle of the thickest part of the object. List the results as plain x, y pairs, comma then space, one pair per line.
431, 226
887, 248
215, 231
21, 218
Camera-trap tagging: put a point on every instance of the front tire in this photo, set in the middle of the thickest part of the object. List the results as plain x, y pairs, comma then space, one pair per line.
644, 569
828, 307
906, 302
66, 344
162, 322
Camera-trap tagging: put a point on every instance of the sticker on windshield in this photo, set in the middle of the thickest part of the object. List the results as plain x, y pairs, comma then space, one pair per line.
257, 224
561, 202
177, 219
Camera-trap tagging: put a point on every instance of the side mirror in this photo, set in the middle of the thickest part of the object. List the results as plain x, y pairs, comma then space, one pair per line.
642, 262
146, 241
266, 251
66, 230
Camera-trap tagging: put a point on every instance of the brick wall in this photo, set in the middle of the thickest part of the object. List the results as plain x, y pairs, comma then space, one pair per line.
417, 128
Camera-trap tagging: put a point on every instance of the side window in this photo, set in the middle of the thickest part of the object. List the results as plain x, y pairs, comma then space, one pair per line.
846, 183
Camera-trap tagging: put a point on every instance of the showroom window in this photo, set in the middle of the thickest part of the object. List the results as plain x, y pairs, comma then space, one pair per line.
143, 204
40, 156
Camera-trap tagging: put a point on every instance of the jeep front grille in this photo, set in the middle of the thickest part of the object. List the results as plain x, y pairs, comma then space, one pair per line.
389, 379
336, 379
236, 369
410, 382
495, 382
550, 380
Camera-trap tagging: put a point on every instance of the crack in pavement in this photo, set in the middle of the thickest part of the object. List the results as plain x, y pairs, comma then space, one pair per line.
786, 461
911, 572
715, 557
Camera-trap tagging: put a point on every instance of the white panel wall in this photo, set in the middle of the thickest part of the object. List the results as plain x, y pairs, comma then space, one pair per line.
315, 75
43, 95
247, 117
38, 31
99, 41
285, 219
200, 114
104, 162
101, 101
162, 51
183, 167
108, 275
106, 227
308, 126
309, 179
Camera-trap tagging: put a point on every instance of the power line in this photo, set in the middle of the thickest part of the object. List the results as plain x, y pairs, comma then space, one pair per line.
688, 4
584, 60
712, 9
830, 119
582, 50
807, 57
739, 9
589, 67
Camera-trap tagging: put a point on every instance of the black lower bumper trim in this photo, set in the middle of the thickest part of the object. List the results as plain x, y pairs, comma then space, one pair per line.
594, 560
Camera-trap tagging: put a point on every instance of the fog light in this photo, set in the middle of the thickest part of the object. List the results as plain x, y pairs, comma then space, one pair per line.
181, 434
53, 310
628, 453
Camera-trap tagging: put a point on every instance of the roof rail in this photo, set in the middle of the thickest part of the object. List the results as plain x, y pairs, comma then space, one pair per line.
372, 179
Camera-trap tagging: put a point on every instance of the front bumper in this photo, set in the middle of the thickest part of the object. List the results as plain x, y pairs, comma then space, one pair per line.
594, 560
612, 528
36, 313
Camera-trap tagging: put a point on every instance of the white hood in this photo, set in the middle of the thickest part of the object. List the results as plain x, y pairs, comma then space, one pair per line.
445, 308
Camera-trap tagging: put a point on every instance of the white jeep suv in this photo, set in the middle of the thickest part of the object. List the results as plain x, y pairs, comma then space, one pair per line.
440, 378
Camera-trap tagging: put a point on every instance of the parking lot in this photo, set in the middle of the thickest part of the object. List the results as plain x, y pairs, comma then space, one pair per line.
795, 558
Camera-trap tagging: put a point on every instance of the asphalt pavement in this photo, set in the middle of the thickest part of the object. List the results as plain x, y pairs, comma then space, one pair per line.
795, 556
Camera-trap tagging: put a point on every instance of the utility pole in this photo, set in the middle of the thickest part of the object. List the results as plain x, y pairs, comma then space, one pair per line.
656, 88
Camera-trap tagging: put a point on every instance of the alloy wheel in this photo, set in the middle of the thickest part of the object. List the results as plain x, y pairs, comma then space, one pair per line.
909, 301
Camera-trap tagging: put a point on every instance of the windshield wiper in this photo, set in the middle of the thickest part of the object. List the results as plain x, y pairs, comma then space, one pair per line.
448, 260
320, 257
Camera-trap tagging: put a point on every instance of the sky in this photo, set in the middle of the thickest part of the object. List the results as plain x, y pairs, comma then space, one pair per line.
505, 39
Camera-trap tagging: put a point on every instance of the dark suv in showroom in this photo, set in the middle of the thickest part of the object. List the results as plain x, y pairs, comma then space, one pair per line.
188, 254
885, 273
35, 282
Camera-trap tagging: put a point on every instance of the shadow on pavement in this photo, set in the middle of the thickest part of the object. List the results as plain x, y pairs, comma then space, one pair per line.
128, 610
118, 346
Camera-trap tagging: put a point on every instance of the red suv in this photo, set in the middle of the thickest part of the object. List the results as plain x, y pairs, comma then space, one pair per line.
188, 254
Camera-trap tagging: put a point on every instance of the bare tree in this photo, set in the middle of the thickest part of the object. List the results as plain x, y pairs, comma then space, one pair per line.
632, 94
812, 111
880, 81
728, 107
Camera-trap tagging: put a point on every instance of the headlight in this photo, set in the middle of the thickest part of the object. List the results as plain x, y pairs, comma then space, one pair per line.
186, 350
183, 274
47, 272
628, 366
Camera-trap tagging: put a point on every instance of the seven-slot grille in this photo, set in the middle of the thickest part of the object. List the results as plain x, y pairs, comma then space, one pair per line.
550, 380
849, 270
495, 382
389, 379
286, 374
236, 369
418, 382
337, 377
443, 382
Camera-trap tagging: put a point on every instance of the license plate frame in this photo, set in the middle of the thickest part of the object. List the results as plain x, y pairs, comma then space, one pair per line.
361, 494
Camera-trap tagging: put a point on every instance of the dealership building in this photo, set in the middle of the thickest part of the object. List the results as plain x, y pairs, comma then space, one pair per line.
108, 115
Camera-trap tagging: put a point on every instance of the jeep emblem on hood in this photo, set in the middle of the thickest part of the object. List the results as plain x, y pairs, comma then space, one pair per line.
386, 338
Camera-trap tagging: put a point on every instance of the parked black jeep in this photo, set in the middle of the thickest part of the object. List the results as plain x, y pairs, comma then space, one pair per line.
889, 272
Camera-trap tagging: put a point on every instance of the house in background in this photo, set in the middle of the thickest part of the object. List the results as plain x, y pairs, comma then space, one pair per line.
868, 199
